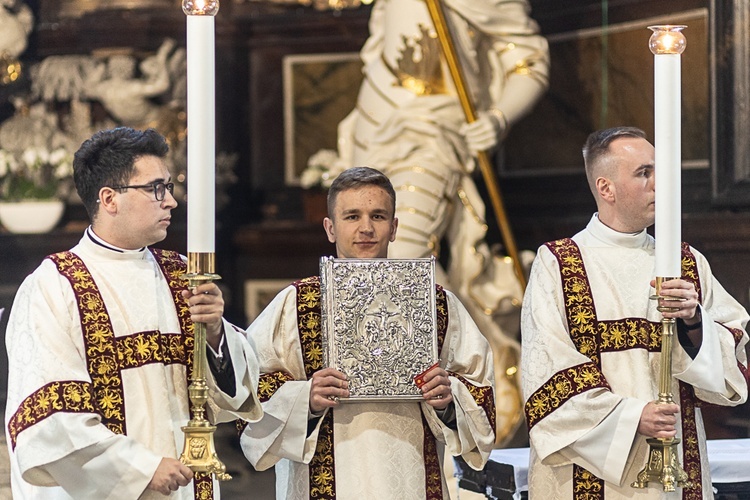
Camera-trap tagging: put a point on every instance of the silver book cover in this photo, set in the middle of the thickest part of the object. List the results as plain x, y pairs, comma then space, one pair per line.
379, 324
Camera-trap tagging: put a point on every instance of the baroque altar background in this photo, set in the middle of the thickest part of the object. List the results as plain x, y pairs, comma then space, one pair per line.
263, 236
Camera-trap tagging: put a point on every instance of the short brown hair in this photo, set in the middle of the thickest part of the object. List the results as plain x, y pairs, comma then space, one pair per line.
356, 177
597, 145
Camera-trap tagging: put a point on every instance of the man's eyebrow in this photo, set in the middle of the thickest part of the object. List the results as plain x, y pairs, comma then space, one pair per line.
158, 180
351, 211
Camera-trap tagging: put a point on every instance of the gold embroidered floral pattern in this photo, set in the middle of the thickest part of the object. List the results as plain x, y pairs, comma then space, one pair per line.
560, 388
432, 473
579, 302
629, 333
322, 465
173, 268
179, 348
70, 396
106, 355
484, 398
145, 348
101, 356
617, 335
308, 323
691, 458
240, 426
441, 305
203, 486
433, 479
269, 383
321, 468
586, 486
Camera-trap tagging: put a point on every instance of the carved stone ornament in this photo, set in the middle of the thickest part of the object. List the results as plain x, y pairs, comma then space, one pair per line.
379, 324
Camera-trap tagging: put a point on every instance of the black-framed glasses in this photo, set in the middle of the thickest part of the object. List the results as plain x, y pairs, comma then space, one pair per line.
159, 188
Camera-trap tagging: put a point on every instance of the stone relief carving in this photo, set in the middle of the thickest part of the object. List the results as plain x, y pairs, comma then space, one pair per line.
73, 96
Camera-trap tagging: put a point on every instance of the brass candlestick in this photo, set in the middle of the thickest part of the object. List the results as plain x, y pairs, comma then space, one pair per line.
663, 464
199, 452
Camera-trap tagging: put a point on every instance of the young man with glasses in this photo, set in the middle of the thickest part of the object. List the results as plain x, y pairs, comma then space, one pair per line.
100, 343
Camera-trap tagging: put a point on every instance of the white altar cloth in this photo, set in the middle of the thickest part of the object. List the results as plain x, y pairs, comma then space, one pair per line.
729, 460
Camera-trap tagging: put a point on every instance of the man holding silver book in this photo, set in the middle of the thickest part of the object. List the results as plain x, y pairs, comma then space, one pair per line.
327, 447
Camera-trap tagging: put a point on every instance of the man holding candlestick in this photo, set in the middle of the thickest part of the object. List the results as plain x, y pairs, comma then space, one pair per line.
592, 341
100, 343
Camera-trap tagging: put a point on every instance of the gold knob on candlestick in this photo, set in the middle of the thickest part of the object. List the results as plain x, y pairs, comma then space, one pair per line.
667, 39
200, 7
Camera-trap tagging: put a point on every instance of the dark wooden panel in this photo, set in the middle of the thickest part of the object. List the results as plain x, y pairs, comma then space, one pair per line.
272, 37
554, 16
731, 95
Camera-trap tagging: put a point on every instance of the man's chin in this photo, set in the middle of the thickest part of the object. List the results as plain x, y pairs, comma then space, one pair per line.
158, 236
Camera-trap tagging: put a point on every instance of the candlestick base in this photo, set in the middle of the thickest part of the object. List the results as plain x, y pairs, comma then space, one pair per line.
200, 453
662, 466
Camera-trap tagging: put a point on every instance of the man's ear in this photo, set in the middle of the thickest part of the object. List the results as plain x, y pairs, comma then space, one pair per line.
605, 188
394, 227
328, 226
107, 200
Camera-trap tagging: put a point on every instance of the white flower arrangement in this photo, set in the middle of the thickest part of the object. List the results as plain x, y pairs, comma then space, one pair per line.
321, 170
37, 174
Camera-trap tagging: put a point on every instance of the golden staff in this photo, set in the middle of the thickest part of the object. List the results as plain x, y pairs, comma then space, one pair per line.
454, 66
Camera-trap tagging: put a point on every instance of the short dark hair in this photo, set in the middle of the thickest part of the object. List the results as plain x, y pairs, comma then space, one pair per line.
356, 177
597, 145
108, 159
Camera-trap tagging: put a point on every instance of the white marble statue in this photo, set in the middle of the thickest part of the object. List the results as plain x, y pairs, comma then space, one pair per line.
408, 123
16, 23
128, 97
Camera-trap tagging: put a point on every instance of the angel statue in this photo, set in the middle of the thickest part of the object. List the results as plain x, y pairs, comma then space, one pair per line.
129, 98
409, 123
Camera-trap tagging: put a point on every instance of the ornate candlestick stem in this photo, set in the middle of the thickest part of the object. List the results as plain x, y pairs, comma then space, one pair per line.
663, 464
199, 452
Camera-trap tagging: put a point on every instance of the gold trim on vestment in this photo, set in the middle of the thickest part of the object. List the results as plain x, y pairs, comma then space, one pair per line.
107, 355
592, 337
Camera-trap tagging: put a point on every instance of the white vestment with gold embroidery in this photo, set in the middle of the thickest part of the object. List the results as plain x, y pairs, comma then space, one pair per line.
378, 446
597, 429
73, 455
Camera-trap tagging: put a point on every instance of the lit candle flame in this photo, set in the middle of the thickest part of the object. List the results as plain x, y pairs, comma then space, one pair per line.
200, 7
667, 39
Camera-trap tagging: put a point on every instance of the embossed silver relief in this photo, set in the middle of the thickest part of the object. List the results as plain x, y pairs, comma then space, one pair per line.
379, 324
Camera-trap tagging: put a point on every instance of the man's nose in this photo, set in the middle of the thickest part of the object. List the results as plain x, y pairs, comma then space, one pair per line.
169, 200
366, 225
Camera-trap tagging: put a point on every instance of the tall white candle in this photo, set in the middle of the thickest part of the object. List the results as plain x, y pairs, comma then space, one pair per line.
667, 43
201, 119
